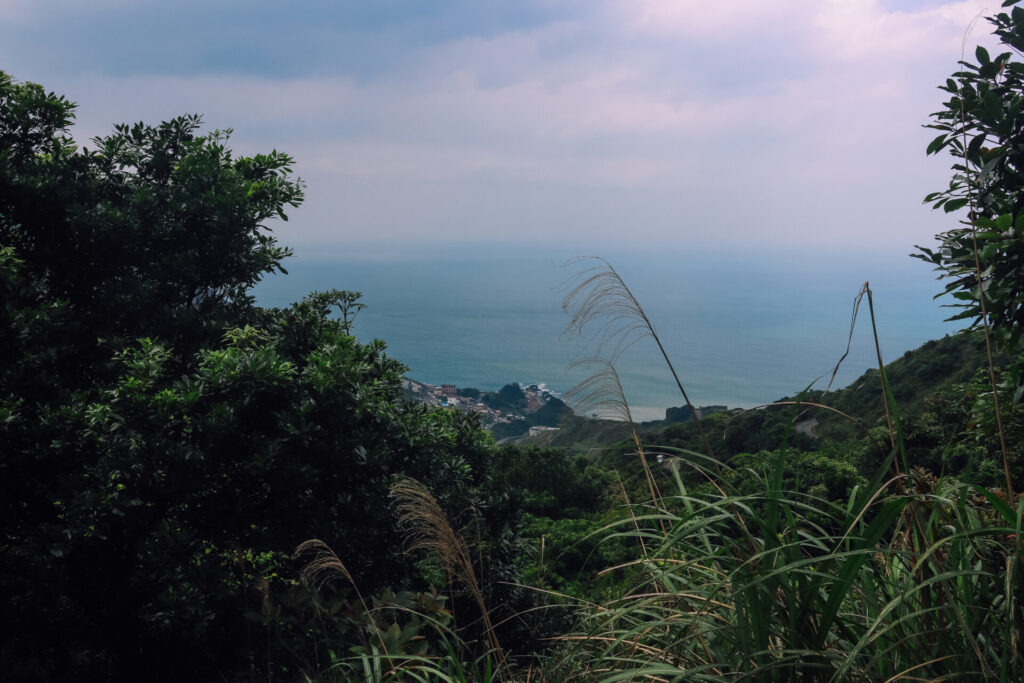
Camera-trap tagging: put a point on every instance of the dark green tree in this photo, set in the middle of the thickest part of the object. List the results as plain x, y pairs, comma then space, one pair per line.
982, 125
166, 443
158, 231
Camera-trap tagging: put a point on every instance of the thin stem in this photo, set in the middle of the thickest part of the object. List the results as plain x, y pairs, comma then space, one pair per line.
671, 368
881, 370
981, 294
603, 390
600, 292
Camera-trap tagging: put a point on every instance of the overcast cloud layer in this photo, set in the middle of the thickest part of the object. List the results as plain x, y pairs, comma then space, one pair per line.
766, 124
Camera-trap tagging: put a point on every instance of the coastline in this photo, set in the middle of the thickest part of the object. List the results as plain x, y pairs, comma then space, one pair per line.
741, 330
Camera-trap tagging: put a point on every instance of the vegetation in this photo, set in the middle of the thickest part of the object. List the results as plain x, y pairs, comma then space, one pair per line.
167, 443
979, 126
196, 488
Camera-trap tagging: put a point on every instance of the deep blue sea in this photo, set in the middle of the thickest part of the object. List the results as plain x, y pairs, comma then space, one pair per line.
742, 329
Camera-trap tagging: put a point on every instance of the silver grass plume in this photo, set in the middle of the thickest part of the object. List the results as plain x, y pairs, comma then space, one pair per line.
324, 567
597, 295
426, 528
601, 392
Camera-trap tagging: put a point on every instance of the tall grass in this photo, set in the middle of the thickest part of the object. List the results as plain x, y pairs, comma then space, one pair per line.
780, 586
911, 578
428, 647
427, 528
601, 392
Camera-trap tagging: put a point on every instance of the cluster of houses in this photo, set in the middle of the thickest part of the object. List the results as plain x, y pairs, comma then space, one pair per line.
448, 396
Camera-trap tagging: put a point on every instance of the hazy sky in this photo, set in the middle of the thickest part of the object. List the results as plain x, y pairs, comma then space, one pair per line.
608, 122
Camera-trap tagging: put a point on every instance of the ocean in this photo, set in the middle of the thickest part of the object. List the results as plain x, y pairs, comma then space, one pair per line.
741, 328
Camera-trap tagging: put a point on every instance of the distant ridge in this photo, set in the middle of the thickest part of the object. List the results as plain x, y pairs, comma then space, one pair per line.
918, 374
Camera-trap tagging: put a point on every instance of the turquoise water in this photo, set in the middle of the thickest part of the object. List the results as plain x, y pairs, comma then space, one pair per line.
741, 329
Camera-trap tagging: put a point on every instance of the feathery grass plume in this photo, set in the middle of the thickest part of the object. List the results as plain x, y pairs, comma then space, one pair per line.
426, 528
323, 568
601, 392
597, 295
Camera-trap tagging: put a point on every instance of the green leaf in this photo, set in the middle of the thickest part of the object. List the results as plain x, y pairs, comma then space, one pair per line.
982, 55
937, 144
863, 551
954, 204
993, 104
988, 71
975, 147
998, 503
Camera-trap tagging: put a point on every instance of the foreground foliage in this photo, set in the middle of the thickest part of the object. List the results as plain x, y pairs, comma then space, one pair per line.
167, 443
780, 585
979, 126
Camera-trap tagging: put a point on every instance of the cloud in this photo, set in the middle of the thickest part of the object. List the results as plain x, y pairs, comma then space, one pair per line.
865, 32
753, 121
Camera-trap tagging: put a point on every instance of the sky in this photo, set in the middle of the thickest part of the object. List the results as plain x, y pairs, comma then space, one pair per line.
539, 123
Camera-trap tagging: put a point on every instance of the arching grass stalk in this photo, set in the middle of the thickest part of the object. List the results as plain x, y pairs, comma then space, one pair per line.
598, 296
892, 414
427, 528
601, 392
632, 515
819, 406
323, 566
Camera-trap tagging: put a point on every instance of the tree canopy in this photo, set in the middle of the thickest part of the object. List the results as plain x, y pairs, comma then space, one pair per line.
168, 443
981, 125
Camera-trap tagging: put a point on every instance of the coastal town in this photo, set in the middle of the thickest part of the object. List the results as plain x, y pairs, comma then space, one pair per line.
514, 411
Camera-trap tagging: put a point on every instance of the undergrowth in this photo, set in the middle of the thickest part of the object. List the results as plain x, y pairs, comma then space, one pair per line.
911, 577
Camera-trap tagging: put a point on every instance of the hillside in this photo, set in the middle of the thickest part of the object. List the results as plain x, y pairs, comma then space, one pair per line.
916, 376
